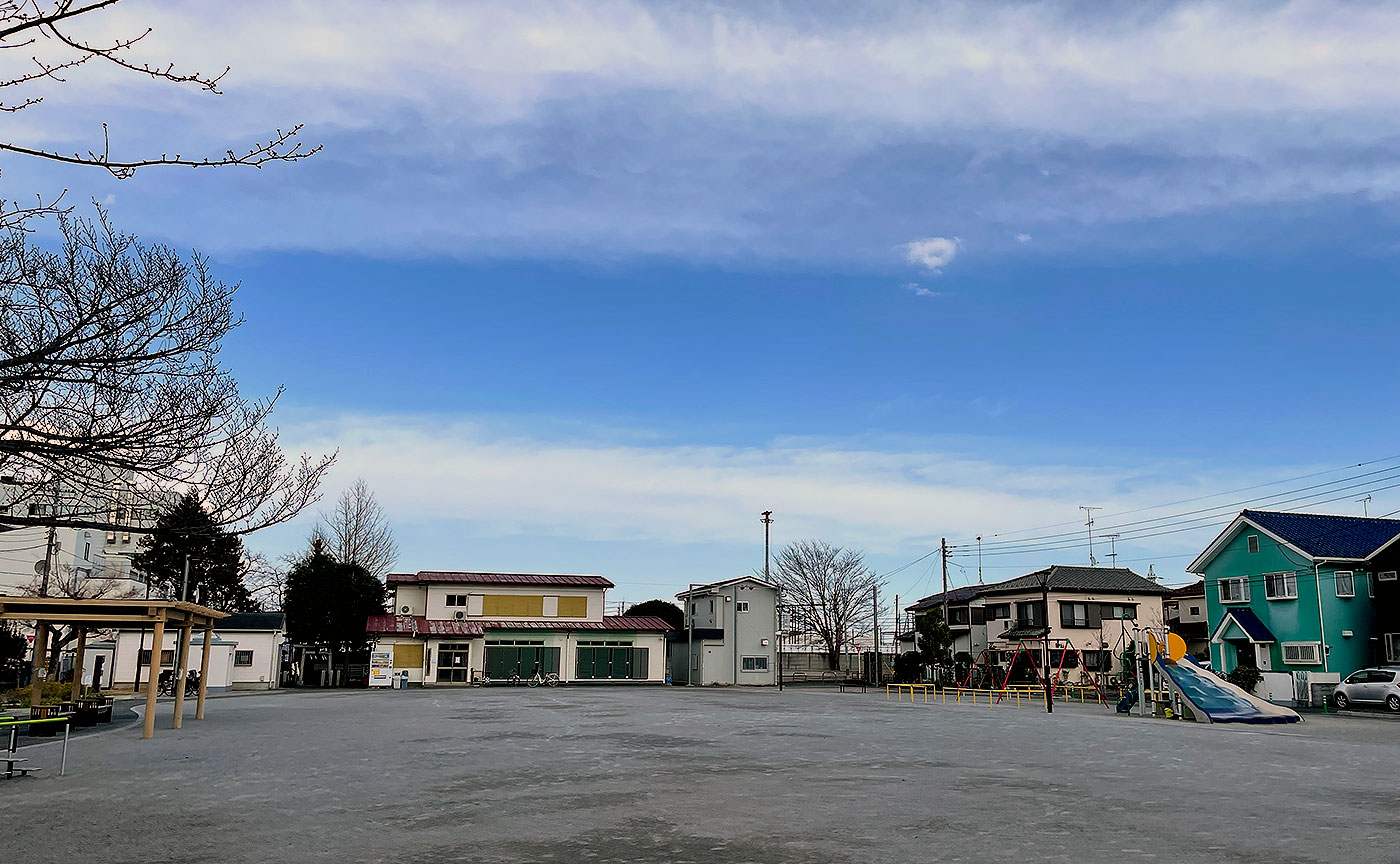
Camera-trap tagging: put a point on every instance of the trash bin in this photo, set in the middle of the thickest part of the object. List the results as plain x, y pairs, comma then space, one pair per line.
44, 730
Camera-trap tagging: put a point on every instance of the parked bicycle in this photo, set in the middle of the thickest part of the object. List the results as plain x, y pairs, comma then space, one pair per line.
165, 684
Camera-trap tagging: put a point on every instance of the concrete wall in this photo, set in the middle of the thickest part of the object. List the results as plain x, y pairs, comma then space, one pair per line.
128, 643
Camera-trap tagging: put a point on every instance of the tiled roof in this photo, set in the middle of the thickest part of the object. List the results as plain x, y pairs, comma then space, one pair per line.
1114, 580
1324, 536
416, 625
1196, 590
954, 595
467, 577
269, 621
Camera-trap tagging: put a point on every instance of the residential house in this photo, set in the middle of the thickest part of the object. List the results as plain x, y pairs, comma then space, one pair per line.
453, 627
1092, 616
1184, 611
1292, 595
732, 634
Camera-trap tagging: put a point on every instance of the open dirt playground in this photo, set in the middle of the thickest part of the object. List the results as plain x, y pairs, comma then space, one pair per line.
713, 776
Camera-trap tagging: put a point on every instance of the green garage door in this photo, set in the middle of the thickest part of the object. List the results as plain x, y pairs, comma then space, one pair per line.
615, 661
504, 659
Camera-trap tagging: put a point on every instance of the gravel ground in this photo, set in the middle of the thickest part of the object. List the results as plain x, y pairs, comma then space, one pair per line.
715, 775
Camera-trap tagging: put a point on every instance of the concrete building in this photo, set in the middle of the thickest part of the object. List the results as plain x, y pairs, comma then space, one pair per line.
732, 637
451, 627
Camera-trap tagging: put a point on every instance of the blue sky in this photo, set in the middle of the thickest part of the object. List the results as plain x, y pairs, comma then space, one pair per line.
587, 287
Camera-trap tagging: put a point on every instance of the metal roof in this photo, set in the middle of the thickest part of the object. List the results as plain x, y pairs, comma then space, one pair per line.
416, 625
471, 577
953, 595
709, 587
261, 621
1255, 629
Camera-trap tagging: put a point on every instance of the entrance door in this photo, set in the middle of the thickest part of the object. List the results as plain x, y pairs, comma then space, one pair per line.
1244, 654
453, 663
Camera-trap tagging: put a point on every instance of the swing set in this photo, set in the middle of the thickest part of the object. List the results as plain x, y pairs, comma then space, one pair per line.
1063, 646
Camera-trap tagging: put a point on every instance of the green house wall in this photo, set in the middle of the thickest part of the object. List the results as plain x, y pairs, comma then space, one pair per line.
1294, 620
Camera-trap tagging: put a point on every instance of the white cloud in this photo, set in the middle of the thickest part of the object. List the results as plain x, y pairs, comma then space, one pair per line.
933, 253
1021, 238
918, 290
625, 127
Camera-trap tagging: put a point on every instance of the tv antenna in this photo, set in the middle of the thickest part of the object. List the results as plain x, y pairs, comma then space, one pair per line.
1089, 512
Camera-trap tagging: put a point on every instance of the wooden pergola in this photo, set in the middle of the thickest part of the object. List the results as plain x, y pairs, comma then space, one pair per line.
116, 614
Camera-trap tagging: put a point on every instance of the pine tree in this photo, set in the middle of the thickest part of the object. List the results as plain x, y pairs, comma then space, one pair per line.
215, 556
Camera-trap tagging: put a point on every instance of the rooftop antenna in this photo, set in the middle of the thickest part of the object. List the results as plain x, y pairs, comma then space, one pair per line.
1112, 549
1089, 512
1152, 572
979, 559
1363, 502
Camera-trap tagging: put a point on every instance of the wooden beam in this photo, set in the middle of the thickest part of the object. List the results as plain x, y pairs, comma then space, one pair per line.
78, 664
149, 729
204, 671
182, 666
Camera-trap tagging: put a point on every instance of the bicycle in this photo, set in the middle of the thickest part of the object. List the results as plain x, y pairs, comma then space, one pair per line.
548, 680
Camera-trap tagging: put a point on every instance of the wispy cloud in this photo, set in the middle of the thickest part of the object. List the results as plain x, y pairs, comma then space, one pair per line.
628, 127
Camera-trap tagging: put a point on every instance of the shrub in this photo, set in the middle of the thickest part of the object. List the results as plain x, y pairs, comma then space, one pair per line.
1244, 677
908, 667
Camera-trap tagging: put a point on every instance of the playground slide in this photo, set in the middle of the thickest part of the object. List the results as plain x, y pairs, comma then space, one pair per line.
1218, 700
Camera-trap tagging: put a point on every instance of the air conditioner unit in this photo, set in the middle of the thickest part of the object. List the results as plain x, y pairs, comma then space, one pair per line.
403, 609
111, 536
461, 615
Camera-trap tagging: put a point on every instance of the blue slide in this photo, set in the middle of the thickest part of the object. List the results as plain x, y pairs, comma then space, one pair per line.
1217, 700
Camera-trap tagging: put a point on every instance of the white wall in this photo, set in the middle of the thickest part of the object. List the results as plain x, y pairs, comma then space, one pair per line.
129, 643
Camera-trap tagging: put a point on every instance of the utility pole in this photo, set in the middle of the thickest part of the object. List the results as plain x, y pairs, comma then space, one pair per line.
943, 547
1089, 511
185, 586
875, 632
1045, 610
766, 520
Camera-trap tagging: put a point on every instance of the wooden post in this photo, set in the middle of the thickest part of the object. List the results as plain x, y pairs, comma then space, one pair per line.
204, 671
157, 640
41, 651
78, 664
181, 670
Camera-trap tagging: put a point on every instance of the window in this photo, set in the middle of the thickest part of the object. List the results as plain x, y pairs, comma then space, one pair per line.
167, 657
1234, 590
1392, 647
512, 606
1118, 611
1030, 614
1370, 585
1345, 583
958, 616
1300, 652
1281, 586
243, 658
1066, 659
755, 664
741, 606
1098, 661
87, 551
1074, 614
1253, 542
1195, 610
1385, 576
454, 665
456, 600
996, 611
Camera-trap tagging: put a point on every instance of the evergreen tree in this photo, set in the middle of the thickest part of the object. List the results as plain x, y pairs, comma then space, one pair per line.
935, 640
215, 556
328, 601
663, 609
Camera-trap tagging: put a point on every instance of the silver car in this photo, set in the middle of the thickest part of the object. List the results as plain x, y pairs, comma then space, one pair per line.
1374, 686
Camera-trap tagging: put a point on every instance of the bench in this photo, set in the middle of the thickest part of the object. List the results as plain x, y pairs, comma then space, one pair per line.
11, 770
852, 684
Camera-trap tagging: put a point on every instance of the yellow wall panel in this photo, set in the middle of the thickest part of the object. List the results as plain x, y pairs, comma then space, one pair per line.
408, 656
512, 606
573, 607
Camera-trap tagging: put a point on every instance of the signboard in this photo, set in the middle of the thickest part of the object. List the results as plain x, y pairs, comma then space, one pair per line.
381, 668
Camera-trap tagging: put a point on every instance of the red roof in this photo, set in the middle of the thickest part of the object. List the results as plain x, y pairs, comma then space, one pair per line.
412, 625
474, 578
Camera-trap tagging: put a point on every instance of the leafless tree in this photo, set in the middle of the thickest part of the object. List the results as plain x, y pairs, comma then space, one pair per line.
43, 29
112, 398
359, 532
266, 581
75, 583
828, 592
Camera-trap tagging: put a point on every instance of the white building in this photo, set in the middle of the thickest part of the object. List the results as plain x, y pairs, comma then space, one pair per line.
245, 653
732, 636
450, 627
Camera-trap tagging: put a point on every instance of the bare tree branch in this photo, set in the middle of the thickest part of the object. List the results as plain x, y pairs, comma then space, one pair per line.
359, 531
827, 591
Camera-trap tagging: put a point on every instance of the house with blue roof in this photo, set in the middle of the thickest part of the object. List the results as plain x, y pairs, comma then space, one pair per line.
1305, 595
